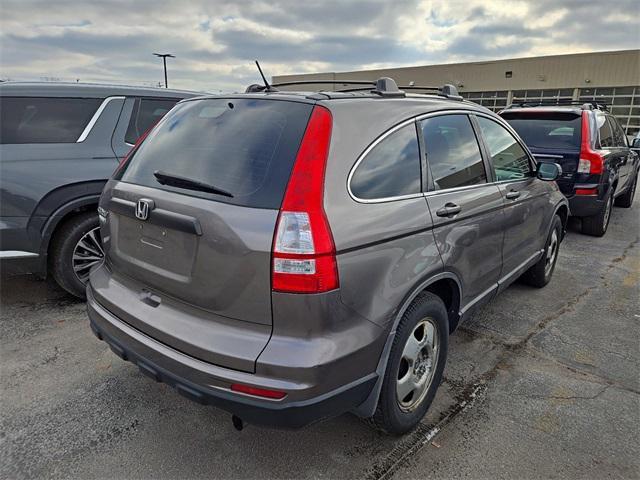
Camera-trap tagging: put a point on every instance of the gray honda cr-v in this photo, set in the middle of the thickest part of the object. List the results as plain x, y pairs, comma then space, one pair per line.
292, 256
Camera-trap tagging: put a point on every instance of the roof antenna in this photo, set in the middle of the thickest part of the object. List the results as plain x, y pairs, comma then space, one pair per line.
267, 87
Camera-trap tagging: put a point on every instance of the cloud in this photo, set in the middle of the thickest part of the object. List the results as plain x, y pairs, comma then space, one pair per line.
216, 41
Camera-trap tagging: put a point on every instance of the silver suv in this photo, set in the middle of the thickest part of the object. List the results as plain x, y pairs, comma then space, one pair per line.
290, 256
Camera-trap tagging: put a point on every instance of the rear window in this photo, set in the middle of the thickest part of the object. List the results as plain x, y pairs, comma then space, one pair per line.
246, 147
554, 130
146, 113
44, 120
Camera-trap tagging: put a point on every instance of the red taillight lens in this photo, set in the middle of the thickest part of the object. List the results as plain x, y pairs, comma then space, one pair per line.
257, 392
304, 255
586, 191
591, 161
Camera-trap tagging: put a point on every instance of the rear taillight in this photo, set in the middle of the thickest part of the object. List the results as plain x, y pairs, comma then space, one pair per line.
591, 161
304, 255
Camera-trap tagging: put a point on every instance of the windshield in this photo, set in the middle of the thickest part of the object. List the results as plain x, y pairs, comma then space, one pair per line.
245, 147
553, 130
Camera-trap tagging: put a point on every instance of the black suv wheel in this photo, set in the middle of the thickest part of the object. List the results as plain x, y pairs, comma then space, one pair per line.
75, 249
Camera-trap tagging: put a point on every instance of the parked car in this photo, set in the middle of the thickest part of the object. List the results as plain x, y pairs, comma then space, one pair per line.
598, 165
292, 256
59, 143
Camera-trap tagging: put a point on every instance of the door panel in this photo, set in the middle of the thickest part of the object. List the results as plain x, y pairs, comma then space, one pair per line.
470, 242
524, 221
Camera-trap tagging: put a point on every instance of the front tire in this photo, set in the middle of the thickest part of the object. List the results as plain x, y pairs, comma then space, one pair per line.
540, 274
75, 249
626, 200
415, 366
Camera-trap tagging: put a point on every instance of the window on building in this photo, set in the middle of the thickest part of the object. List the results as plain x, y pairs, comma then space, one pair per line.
624, 104
391, 168
494, 101
44, 120
453, 154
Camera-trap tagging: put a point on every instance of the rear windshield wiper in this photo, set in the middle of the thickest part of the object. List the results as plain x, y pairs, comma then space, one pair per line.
187, 183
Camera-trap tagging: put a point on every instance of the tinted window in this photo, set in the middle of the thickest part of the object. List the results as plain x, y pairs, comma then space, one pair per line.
146, 113
452, 151
510, 161
618, 133
243, 146
44, 120
552, 130
606, 134
391, 168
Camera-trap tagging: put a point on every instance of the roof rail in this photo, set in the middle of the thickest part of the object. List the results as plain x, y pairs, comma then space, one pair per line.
384, 86
588, 105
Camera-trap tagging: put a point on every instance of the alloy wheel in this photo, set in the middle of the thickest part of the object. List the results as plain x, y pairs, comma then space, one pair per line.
87, 253
607, 213
417, 365
551, 253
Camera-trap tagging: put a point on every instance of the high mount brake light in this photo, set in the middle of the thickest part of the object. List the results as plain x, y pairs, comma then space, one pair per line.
304, 255
591, 161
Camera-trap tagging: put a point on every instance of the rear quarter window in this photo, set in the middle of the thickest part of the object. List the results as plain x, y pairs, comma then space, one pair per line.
44, 120
246, 147
391, 168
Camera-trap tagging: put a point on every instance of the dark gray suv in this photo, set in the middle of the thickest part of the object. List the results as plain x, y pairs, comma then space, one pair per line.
290, 256
59, 143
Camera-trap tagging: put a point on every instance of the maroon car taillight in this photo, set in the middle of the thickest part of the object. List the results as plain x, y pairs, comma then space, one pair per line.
303, 254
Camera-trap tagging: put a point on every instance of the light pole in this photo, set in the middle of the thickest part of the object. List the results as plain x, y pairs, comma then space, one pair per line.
164, 56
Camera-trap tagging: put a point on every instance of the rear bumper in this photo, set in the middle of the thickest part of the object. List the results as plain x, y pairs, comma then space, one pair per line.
210, 384
585, 205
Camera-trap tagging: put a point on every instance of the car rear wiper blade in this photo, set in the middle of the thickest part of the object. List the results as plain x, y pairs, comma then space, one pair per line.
187, 183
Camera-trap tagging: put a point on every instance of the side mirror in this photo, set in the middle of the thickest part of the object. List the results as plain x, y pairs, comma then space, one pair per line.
549, 171
635, 143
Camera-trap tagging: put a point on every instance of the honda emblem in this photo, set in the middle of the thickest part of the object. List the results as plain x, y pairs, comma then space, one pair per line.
143, 207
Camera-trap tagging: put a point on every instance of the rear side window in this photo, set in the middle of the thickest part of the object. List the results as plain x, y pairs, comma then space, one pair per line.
146, 113
246, 147
606, 133
510, 161
391, 168
44, 120
618, 134
552, 130
452, 151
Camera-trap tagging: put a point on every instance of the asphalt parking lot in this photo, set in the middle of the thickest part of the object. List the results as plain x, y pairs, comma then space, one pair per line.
541, 383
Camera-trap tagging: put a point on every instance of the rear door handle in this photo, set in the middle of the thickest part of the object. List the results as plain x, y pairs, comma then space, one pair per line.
513, 194
449, 210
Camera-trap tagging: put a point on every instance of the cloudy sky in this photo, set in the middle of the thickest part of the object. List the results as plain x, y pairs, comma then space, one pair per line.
216, 41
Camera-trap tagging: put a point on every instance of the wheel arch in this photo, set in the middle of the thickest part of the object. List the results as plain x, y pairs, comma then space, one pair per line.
444, 284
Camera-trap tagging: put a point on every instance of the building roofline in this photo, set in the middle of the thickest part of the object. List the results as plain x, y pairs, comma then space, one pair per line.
477, 62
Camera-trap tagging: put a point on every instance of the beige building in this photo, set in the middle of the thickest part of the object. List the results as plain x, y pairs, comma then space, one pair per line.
612, 78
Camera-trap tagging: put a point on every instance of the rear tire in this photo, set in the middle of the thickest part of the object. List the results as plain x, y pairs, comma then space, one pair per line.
540, 274
424, 323
597, 224
626, 200
75, 236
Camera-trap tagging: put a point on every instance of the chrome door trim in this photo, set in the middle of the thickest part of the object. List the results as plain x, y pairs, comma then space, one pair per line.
499, 283
519, 267
12, 254
87, 130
